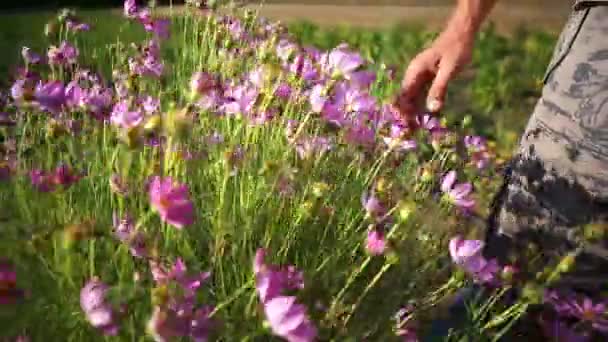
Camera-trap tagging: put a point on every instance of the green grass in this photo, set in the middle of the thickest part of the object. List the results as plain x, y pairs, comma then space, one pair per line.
321, 233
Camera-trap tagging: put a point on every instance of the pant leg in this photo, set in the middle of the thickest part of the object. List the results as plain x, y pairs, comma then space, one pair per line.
558, 180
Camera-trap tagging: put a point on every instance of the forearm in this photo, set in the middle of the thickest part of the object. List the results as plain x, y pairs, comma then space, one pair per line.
469, 15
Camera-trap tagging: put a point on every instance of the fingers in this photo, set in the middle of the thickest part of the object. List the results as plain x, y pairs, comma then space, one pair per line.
417, 76
438, 89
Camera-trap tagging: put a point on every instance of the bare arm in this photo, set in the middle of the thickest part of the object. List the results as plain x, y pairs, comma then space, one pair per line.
438, 64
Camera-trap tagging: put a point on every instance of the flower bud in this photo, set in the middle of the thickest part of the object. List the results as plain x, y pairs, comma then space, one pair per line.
405, 210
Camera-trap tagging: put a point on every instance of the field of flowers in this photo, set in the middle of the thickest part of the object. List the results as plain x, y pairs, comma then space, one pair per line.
220, 177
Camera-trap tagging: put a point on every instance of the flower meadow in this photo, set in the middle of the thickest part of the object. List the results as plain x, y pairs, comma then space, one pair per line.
219, 180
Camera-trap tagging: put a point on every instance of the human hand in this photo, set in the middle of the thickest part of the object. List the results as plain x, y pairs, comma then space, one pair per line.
433, 68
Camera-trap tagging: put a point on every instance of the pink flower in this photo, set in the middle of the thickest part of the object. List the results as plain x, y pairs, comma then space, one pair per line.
130, 8
123, 117
595, 314
375, 244
468, 255
457, 194
289, 320
272, 280
9, 292
171, 201
65, 54
96, 308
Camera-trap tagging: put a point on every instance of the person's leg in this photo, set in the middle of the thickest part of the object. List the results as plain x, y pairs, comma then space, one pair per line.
558, 181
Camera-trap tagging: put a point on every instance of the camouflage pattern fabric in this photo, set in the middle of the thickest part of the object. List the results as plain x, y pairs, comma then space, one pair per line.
557, 183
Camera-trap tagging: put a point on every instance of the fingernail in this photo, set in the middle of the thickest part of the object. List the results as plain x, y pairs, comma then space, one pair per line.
433, 105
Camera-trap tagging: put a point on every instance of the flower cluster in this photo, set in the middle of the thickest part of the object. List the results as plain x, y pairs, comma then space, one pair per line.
177, 313
286, 317
98, 311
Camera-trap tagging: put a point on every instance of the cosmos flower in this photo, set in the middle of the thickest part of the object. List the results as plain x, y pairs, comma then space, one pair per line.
468, 255
77, 26
96, 308
289, 320
130, 9
375, 244
273, 280
29, 56
9, 293
202, 82
50, 96
395, 139
124, 230
123, 117
62, 176
343, 62
170, 200
372, 205
457, 193
159, 27
65, 54
311, 147
594, 313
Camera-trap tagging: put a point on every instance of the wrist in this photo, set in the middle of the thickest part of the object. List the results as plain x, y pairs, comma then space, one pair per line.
470, 15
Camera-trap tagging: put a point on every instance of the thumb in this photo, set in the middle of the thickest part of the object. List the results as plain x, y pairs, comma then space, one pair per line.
438, 89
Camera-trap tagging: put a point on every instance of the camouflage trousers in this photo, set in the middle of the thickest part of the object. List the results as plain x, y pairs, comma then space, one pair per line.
556, 187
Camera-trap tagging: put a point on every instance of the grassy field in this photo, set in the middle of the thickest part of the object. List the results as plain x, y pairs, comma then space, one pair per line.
118, 191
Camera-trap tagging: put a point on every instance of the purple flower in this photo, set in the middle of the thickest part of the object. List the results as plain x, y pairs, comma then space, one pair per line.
362, 79
9, 292
50, 96
372, 205
65, 54
468, 255
241, 100
283, 91
317, 98
150, 105
166, 324
428, 122
122, 117
343, 62
171, 201
125, 232
97, 310
159, 27
77, 26
289, 320
180, 316
41, 181
303, 67
202, 82
395, 139
260, 118
47, 182
312, 146
29, 56
285, 49
360, 135
595, 314
74, 95
375, 244
97, 100
65, 176
272, 280
475, 143
457, 194
130, 9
